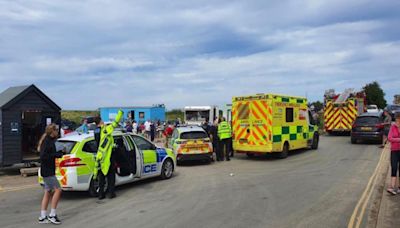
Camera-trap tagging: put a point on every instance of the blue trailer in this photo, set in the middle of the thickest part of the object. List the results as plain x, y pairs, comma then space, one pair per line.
138, 113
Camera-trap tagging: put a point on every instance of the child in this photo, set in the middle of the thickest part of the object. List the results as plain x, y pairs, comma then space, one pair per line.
52, 190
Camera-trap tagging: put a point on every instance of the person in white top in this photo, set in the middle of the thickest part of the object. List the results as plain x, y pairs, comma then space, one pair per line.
147, 128
134, 127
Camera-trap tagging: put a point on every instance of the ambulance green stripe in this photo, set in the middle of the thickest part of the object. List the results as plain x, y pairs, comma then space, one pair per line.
299, 129
277, 138
285, 130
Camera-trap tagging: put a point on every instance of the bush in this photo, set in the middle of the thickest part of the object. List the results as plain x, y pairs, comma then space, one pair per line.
77, 116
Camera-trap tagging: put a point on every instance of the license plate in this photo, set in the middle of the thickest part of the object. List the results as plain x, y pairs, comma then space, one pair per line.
194, 146
366, 128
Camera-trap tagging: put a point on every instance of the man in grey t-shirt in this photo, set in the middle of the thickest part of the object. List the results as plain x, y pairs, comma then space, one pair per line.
387, 121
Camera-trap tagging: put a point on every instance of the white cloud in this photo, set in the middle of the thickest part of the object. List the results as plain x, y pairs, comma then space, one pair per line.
79, 65
196, 52
10, 10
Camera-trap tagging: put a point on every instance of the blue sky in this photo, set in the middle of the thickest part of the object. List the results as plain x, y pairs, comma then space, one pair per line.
88, 54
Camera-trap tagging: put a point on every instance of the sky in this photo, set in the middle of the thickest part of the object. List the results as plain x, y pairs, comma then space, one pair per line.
91, 54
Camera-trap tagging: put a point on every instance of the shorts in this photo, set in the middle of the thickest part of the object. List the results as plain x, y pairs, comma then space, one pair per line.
386, 131
51, 183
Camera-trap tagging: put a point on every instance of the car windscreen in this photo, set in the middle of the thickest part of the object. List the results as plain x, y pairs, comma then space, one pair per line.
367, 120
194, 135
65, 146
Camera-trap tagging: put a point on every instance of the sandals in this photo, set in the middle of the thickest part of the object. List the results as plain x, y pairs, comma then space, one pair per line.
392, 191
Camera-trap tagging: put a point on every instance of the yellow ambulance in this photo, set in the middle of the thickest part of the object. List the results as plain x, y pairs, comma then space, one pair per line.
270, 123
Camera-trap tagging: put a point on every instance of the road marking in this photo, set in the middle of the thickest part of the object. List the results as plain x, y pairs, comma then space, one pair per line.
363, 202
13, 189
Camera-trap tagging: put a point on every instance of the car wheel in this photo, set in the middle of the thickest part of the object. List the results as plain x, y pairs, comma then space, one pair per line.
353, 140
94, 187
315, 142
167, 169
285, 151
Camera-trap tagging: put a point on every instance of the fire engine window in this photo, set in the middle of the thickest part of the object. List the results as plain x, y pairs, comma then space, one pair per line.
289, 115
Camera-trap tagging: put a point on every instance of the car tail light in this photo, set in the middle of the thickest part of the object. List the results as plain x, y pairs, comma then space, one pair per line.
354, 125
70, 162
379, 126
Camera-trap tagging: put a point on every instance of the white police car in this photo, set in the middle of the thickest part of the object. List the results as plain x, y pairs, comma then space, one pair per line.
136, 159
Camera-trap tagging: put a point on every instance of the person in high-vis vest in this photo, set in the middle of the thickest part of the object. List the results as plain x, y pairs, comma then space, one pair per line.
105, 159
224, 135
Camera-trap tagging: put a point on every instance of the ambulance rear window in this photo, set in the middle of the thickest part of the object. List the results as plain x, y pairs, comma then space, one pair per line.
243, 111
194, 135
65, 146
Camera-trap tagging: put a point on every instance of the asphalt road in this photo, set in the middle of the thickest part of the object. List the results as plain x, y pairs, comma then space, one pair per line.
311, 188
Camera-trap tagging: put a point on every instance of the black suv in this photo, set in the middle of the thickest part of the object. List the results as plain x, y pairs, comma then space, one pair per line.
367, 126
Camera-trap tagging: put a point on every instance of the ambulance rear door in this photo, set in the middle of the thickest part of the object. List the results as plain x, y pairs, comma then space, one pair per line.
260, 123
241, 121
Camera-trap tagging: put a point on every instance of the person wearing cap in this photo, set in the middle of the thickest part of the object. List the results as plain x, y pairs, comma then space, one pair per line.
394, 139
387, 121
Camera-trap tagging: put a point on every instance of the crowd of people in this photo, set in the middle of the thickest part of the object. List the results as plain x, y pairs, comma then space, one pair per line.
150, 129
